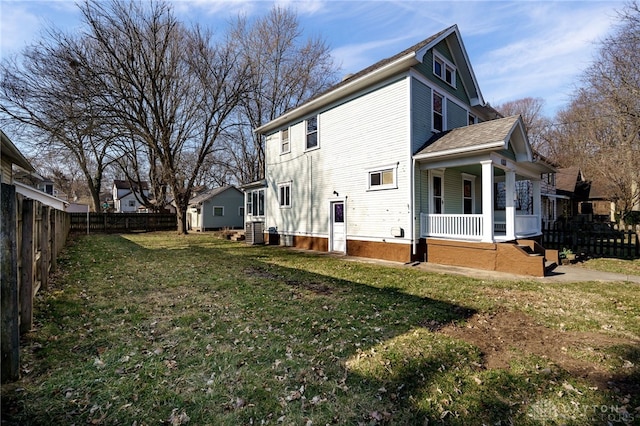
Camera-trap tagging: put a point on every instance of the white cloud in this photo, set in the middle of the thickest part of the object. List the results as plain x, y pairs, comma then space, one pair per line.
21, 23
553, 44
17, 26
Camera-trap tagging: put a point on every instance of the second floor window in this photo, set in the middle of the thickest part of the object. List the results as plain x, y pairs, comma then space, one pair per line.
284, 141
438, 112
312, 132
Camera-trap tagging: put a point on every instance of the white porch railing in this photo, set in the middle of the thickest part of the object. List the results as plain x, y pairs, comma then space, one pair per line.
467, 226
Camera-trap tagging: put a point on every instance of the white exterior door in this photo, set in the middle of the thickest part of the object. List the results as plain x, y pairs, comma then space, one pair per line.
337, 237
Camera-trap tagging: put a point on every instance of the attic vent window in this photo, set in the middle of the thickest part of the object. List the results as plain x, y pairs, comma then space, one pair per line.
445, 70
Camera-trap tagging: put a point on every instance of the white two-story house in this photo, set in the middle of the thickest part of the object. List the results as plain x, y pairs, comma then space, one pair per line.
124, 196
403, 161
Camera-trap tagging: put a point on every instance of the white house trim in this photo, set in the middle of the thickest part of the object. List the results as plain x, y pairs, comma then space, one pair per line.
449, 97
341, 92
41, 196
487, 201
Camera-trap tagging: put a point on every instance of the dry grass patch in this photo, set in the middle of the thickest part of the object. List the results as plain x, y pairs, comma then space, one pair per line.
157, 329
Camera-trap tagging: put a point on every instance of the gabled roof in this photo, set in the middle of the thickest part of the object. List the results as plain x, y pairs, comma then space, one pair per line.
488, 135
567, 179
9, 150
43, 197
383, 69
207, 195
125, 184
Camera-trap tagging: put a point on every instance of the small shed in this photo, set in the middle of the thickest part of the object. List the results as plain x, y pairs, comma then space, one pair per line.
215, 209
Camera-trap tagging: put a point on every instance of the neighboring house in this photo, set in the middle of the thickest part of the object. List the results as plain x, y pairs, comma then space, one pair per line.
124, 196
39, 182
403, 161
572, 190
216, 208
10, 155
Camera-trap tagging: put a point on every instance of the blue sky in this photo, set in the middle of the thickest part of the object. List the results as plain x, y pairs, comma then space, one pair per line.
517, 49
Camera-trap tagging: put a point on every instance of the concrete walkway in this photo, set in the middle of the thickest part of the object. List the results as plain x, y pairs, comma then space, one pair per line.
562, 273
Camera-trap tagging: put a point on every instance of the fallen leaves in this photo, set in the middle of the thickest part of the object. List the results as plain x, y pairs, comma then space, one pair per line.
178, 417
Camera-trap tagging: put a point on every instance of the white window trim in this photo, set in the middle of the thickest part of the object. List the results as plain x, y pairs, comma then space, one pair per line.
394, 170
436, 173
444, 65
218, 207
253, 207
472, 178
451, 97
475, 118
306, 148
282, 150
444, 112
285, 185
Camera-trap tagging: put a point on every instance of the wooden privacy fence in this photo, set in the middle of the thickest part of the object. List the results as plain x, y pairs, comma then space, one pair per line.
33, 235
598, 241
123, 222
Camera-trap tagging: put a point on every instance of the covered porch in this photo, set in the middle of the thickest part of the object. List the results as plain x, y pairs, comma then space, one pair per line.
491, 205
480, 183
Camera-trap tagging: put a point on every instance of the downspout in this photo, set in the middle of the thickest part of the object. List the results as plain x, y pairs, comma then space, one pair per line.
202, 217
412, 206
412, 189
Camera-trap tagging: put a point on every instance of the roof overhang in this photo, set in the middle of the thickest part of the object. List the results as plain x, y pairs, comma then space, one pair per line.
43, 197
461, 152
470, 82
254, 185
9, 150
380, 74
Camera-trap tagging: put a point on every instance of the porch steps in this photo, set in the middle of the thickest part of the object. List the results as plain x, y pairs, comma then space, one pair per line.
528, 250
538, 250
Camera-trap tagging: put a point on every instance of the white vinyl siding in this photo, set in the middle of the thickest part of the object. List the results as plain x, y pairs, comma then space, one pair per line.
349, 152
421, 114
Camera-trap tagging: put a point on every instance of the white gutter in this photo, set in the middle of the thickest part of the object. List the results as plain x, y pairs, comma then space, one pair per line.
465, 150
43, 197
379, 74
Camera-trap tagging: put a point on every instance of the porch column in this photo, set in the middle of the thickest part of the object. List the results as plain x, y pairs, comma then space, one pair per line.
487, 201
537, 203
510, 205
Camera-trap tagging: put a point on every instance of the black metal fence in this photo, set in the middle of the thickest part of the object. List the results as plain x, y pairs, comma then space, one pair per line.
596, 240
123, 222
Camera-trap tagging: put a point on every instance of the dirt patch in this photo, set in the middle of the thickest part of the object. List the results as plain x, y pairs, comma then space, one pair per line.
315, 287
504, 336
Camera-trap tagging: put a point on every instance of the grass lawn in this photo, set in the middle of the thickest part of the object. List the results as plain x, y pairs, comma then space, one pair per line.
621, 266
150, 329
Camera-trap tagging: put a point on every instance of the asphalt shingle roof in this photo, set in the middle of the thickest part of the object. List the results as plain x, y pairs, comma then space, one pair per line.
487, 132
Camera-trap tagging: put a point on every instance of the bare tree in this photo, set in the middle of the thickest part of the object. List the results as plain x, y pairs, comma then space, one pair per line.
535, 122
285, 71
600, 130
46, 92
167, 86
